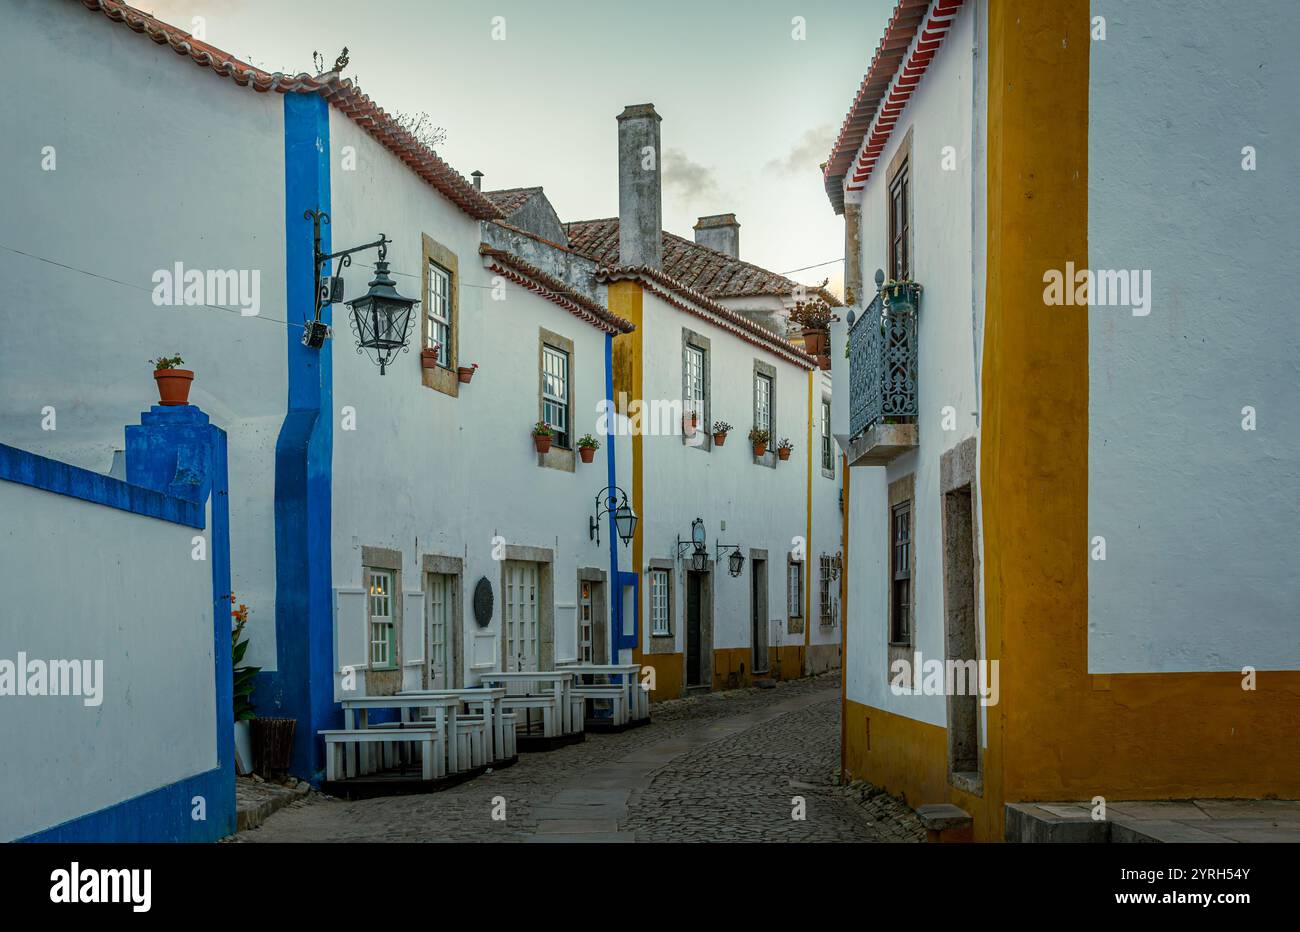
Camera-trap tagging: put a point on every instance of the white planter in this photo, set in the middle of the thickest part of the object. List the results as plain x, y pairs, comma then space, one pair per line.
243, 749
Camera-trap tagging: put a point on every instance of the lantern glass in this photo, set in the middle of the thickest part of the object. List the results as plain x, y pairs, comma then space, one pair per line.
699, 560
625, 522
736, 562
381, 318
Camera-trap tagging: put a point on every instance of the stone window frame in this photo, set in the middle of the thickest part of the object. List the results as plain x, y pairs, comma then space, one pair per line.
441, 379
901, 490
455, 567
795, 623
561, 458
957, 469
762, 368
662, 643
824, 436
390, 560
703, 439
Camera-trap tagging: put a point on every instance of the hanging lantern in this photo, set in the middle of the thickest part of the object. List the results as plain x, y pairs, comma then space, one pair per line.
381, 318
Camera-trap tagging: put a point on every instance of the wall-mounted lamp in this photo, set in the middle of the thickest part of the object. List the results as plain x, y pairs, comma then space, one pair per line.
381, 318
735, 562
699, 552
613, 499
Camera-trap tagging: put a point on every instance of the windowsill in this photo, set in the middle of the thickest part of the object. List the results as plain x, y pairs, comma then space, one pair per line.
441, 379
559, 458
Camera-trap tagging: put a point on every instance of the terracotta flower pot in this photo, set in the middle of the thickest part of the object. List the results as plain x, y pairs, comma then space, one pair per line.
428, 358
824, 362
587, 453
783, 453
814, 342
719, 439
543, 444
465, 373
760, 449
173, 386
689, 423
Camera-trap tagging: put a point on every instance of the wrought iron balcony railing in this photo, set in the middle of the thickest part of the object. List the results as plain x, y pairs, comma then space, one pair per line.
883, 358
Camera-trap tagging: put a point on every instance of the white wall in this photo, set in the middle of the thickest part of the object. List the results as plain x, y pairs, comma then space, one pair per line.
157, 162
426, 473
1200, 517
83, 581
827, 519
944, 236
764, 508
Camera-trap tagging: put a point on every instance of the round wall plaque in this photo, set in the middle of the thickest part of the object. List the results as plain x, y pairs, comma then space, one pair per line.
483, 602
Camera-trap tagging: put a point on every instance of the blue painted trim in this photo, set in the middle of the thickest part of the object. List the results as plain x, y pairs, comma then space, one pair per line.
65, 479
611, 469
164, 814
302, 686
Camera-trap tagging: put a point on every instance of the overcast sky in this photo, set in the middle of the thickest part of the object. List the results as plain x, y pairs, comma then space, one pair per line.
748, 111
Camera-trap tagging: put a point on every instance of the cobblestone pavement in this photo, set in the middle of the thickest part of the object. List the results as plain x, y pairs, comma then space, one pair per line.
719, 767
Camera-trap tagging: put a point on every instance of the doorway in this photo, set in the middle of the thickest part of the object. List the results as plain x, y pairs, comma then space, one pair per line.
441, 608
523, 636
694, 628
758, 614
961, 638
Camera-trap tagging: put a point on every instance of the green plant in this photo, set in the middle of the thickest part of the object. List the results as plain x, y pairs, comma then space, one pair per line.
166, 362
542, 429
759, 435
813, 315
721, 427
587, 440
785, 444
243, 676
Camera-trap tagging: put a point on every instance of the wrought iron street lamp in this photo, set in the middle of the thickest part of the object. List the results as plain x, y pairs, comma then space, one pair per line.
735, 562
381, 318
613, 500
699, 552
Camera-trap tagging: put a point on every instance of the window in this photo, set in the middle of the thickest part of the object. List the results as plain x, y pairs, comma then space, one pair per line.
900, 246
438, 332
585, 631
900, 562
763, 403
659, 593
827, 600
382, 653
555, 393
828, 455
795, 589
693, 383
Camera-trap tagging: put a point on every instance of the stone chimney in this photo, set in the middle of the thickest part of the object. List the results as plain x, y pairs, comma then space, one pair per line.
640, 206
720, 232
478, 179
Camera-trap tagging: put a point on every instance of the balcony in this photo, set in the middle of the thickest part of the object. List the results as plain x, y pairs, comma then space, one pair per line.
883, 375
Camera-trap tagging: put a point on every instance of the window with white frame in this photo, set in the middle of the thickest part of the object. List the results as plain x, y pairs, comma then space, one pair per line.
660, 625
763, 403
828, 455
795, 589
555, 393
827, 600
693, 383
439, 313
380, 613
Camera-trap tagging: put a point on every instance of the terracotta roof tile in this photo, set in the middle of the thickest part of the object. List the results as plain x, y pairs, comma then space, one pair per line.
508, 200
554, 290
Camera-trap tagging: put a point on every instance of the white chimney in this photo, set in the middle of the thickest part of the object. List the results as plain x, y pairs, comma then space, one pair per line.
720, 232
640, 207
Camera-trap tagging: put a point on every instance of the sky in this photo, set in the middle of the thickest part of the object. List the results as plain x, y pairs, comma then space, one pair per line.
749, 112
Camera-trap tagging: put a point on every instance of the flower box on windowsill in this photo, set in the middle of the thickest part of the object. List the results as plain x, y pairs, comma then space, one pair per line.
428, 358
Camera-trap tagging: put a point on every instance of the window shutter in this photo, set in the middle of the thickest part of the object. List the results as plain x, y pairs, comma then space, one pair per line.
412, 639
351, 637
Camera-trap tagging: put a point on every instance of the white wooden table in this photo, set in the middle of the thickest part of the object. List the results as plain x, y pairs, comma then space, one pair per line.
638, 699
488, 702
552, 683
356, 714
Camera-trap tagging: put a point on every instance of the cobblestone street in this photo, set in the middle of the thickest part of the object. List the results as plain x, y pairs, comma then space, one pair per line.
720, 767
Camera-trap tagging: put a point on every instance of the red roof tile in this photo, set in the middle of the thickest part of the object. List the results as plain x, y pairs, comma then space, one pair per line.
554, 290
508, 200
339, 91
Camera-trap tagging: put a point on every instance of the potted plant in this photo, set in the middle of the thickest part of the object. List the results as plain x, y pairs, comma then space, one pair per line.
465, 373
429, 357
815, 318
824, 362
690, 423
542, 436
784, 448
587, 447
759, 438
243, 691
720, 431
173, 383
902, 295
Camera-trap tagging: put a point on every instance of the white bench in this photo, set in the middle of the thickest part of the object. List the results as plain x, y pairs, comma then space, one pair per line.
338, 741
614, 693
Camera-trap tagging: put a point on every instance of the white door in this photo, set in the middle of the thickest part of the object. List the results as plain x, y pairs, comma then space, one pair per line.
441, 614
586, 641
522, 644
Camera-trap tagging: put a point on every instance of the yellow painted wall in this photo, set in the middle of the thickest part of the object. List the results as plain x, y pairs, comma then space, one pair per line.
1066, 734
670, 674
